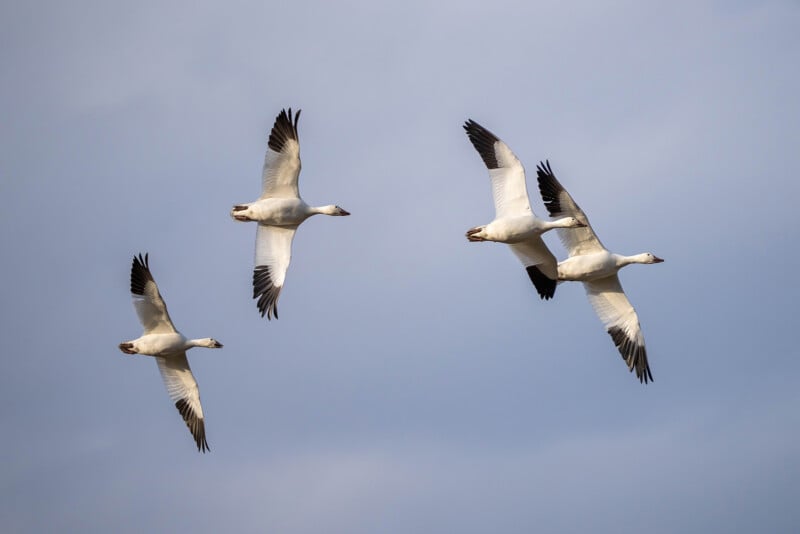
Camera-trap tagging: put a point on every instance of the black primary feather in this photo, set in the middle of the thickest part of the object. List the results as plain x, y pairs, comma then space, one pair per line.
195, 424
265, 291
483, 140
549, 187
140, 274
635, 355
544, 285
283, 130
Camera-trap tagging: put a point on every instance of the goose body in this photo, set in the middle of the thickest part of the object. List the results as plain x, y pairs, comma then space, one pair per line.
515, 223
594, 265
163, 341
165, 344
587, 267
512, 230
281, 211
278, 212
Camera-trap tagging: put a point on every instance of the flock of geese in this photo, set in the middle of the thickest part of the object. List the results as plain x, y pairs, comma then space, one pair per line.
280, 210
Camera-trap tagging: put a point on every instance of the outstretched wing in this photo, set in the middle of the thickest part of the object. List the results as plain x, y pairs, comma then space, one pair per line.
540, 265
505, 171
150, 307
273, 254
183, 390
620, 319
559, 203
282, 160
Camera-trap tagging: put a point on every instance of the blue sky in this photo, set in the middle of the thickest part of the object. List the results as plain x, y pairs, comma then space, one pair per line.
414, 382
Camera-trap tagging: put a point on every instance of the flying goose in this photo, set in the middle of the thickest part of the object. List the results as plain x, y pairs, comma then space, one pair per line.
591, 263
515, 223
168, 346
278, 212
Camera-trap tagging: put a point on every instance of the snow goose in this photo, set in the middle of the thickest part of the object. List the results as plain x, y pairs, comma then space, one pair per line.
515, 223
591, 263
168, 346
278, 212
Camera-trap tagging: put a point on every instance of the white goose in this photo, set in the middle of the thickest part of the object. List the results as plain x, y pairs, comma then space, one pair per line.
278, 212
162, 340
591, 263
515, 223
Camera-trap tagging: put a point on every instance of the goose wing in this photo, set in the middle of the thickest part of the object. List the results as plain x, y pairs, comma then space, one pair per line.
282, 160
505, 171
559, 203
620, 319
182, 389
540, 265
150, 307
273, 254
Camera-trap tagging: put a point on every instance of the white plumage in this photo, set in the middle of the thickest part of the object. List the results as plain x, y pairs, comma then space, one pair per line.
278, 212
515, 223
591, 263
168, 346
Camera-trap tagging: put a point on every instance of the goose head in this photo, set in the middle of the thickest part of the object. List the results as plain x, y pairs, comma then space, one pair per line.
335, 211
572, 222
209, 342
649, 257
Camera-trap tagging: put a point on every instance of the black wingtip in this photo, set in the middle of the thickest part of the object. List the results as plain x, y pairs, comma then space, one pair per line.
549, 188
635, 355
483, 140
283, 130
142, 262
543, 284
140, 273
194, 423
265, 291
543, 168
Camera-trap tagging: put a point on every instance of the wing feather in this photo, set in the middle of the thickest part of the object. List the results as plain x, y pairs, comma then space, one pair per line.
183, 391
621, 322
282, 160
505, 171
540, 265
150, 307
273, 254
559, 203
